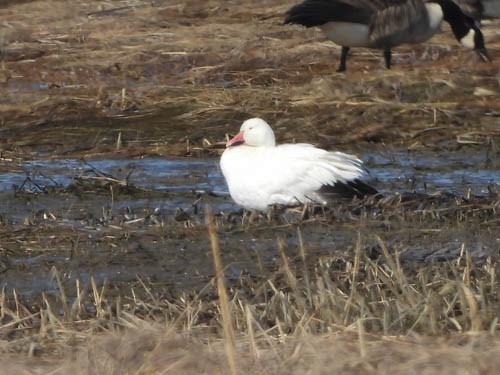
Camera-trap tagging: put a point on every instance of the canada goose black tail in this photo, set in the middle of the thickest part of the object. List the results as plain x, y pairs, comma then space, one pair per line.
349, 189
318, 12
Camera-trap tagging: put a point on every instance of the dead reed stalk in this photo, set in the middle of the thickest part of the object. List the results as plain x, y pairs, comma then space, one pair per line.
229, 336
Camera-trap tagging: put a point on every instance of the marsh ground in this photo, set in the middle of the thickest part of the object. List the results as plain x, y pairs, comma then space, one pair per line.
119, 278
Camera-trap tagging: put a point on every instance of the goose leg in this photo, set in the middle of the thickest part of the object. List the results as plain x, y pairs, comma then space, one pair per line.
249, 217
343, 58
387, 56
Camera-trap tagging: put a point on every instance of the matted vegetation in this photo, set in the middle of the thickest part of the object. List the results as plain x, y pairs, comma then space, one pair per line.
406, 283
196, 70
399, 296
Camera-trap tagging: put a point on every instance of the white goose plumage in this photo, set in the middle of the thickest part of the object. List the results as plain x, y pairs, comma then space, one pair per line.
259, 173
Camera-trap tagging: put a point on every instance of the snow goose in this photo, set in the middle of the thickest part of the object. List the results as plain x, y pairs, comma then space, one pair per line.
259, 173
384, 24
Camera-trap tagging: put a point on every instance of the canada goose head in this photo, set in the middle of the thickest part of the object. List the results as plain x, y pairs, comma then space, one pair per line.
464, 28
253, 132
474, 39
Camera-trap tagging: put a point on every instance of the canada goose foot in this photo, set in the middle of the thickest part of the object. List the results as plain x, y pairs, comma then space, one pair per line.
483, 54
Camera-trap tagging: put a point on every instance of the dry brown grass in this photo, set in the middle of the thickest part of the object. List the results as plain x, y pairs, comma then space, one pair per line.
204, 67
365, 312
143, 352
201, 68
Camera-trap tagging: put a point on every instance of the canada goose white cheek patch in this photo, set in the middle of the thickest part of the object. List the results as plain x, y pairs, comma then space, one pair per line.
468, 40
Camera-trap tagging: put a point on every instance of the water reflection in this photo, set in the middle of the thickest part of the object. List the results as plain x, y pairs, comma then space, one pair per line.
152, 173
395, 171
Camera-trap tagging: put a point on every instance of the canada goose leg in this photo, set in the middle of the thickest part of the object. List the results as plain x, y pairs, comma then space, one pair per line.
343, 58
387, 56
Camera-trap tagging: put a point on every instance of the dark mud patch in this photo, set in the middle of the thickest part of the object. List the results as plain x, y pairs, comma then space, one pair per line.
102, 244
85, 262
121, 221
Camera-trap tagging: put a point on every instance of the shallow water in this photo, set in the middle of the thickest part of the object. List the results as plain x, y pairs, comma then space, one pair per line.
118, 238
151, 172
451, 172
389, 171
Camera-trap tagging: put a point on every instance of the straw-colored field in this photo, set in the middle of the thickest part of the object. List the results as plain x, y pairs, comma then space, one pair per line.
415, 288
208, 66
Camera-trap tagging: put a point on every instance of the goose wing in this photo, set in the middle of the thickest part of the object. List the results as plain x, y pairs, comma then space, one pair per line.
395, 20
286, 174
299, 171
318, 12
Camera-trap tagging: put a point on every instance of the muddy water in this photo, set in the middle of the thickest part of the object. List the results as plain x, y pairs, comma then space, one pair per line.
150, 173
55, 214
453, 172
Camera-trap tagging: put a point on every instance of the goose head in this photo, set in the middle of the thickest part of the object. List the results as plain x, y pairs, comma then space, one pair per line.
465, 28
254, 132
474, 39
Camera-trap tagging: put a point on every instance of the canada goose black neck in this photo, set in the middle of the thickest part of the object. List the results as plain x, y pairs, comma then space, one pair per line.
459, 22
464, 27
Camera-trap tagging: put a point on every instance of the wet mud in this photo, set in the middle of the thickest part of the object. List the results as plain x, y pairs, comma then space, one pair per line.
125, 222
113, 118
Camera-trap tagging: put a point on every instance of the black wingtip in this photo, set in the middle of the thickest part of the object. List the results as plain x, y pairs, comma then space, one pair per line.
349, 189
363, 188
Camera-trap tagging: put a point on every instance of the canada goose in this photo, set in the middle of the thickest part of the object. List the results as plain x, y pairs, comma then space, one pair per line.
384, 24
480, 9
